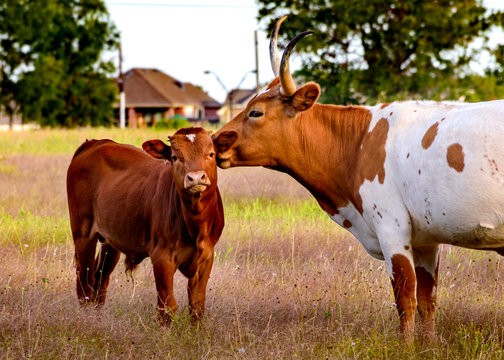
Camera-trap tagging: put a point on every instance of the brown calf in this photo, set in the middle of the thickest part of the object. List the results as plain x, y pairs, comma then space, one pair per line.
161, 203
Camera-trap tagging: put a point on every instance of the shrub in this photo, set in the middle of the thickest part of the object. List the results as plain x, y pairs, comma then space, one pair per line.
176, 122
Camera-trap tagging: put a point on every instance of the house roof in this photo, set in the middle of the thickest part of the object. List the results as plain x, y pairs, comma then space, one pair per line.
240, 96
146, 87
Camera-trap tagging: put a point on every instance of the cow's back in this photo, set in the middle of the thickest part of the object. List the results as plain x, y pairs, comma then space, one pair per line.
447, 162
110, 191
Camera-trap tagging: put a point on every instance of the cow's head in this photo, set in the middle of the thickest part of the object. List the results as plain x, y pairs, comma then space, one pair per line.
192, 155
256, 135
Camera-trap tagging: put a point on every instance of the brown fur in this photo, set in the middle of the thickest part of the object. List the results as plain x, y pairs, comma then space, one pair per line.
331, 134
455, 157
426, 298
138, 205
404, 284
429, 136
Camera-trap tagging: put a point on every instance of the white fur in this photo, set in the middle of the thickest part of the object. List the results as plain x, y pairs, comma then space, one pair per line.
439, 205
264, 91
191, 137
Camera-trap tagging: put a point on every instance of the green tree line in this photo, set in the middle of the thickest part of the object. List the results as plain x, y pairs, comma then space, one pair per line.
370, 51
51, 61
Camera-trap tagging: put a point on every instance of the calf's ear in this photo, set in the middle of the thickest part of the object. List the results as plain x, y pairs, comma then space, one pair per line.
157, 149
305, 97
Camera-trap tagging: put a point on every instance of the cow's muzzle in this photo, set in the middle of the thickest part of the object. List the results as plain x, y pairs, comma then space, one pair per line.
223, 162
196, 181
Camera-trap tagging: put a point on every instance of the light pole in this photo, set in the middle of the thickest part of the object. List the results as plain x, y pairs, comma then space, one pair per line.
229, 93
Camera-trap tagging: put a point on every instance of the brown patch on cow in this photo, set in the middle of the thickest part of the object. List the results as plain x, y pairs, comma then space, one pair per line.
425, 282
443, 119
391, 113
426, 297
347, 224
455, 157
407, 156
419, 171
371, 159
429, 136
383, 106
404, 284
379, 214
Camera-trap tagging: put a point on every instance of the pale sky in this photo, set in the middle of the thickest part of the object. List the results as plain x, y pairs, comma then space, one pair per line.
183, 38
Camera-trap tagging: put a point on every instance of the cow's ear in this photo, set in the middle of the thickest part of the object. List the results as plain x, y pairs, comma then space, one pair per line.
157, 149
305, 96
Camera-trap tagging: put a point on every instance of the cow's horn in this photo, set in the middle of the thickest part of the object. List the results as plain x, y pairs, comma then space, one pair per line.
274, 54
286, 80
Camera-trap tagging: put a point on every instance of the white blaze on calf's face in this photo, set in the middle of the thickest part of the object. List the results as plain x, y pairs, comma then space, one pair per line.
191, 137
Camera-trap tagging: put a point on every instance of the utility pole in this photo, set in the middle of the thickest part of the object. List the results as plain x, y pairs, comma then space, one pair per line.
122, 95
256, 60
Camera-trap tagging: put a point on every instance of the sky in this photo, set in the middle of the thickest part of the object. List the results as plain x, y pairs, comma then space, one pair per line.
185, 38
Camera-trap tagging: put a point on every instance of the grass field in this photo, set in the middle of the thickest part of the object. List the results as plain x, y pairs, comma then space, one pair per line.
286, 283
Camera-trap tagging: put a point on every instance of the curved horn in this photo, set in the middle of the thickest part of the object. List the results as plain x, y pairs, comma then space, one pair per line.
274, 54
288, 87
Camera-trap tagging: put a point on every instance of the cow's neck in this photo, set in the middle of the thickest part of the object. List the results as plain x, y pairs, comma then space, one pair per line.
200, 211
324, 154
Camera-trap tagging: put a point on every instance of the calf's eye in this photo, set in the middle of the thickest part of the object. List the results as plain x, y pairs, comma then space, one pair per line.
174, 158
255, 114
212, 155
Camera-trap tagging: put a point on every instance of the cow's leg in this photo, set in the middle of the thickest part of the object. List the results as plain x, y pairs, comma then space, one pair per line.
399, 258
164, 269
106, 262
426, 268
85, 249
196, 288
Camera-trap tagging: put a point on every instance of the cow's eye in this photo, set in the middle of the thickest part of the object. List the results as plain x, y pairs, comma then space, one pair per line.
212, 154
174, 158
255, 114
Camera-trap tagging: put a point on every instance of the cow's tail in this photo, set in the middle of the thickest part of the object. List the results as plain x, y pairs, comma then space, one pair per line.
130, 263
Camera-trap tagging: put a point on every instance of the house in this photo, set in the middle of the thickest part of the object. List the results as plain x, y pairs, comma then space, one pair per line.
238, 98
151, 95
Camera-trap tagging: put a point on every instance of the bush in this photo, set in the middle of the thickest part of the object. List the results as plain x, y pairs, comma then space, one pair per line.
176, 122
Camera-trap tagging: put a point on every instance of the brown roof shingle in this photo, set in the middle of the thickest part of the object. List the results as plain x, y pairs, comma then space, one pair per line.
153, 88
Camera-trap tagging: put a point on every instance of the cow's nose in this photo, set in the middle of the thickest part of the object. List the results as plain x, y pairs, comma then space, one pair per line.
196, 178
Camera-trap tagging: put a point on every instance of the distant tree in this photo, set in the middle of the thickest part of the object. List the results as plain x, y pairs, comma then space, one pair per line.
379, 50
51, 61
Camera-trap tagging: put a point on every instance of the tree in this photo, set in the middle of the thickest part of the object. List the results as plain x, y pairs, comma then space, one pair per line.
379, 50
51, 52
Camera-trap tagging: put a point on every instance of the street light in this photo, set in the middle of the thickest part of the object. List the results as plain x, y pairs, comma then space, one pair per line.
229, 93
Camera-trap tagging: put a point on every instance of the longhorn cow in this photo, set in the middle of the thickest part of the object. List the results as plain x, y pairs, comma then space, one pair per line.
403, 178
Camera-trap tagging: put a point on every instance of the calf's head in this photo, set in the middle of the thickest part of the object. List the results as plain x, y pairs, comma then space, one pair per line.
258, 135
192, 155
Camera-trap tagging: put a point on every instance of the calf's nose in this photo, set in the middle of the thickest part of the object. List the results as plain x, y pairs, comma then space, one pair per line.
196, 178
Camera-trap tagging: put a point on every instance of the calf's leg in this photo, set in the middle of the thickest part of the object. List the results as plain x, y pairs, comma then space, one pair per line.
196, 288
164, 269
106, 262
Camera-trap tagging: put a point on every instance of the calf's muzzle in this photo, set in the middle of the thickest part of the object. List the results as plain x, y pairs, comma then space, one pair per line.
196, 181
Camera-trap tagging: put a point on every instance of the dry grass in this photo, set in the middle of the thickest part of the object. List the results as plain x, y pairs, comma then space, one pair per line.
287, 283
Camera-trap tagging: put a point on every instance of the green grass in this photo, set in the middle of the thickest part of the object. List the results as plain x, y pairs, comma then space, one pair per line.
286, 283
65, 142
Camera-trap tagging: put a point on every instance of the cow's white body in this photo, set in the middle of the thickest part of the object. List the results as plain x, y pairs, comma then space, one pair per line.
423, 201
